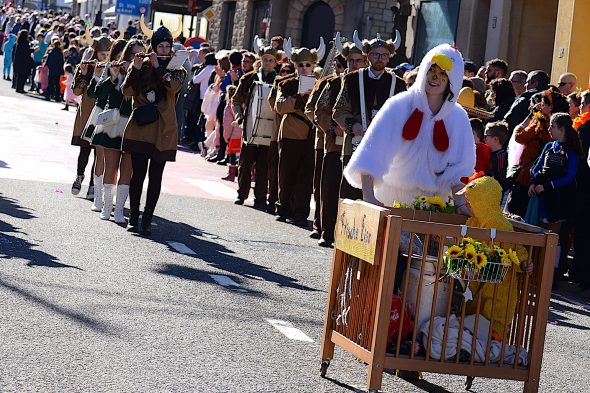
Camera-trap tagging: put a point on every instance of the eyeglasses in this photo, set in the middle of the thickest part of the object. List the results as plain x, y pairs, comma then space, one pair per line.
487, 136
302, 65
561, 84
286, 71
383, 56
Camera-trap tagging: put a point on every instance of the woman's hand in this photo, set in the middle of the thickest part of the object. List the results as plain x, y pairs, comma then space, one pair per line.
527, 267
115, 71
138, 60
84, 68
539, 189
219, 71
532, 190
98, 69
154, 60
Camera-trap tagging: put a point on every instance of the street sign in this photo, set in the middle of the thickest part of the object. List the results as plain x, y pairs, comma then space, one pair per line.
132, 7
208, 13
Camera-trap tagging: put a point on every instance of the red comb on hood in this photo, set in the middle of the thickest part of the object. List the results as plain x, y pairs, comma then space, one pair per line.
475, 175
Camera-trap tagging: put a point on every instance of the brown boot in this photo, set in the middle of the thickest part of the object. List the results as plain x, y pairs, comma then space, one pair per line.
232, 172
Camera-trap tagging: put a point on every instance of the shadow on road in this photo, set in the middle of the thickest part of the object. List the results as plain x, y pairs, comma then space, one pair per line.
558, 315
216, 255
4, 164
16, 247
77, 317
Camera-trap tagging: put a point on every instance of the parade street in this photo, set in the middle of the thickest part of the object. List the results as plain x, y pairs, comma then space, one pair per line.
221, 298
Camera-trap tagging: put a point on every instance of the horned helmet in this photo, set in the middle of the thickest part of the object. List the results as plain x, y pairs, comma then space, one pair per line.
298, 55
346, 48
262, 50
367, 46
161, 34
100, 44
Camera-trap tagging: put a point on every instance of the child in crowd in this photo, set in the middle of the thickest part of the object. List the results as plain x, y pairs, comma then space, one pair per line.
69, 96
495, 135
482, 151
232, 134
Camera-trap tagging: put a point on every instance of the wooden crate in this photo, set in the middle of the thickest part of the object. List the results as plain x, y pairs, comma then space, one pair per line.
371, 286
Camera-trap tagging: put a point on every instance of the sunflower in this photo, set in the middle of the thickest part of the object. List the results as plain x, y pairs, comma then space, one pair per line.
467, 240
396, 205
455, 252
422, 199
470, 253
513, 257
437, 201
506, 260
480, 260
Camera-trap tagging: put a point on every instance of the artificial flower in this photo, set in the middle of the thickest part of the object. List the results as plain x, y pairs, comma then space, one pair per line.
513, 257
506, 260
480, 260
470, 252
437, 201
580, 120
396, 205
422, 199
455, 252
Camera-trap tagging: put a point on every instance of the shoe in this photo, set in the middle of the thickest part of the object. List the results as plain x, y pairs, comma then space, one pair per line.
77, 186
223, 162
232, 172
239, 201
133, 225
281, 218
298, 222
97, 205
90, 193
122, 194
325, 243
65, 108
107, 206
146, 222
315, 234
8, 79
260, 206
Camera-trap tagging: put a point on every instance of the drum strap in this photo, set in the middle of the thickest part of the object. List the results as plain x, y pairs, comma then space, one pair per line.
362, 96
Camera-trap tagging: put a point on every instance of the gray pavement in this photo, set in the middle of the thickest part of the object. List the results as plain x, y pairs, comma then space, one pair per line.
85, 306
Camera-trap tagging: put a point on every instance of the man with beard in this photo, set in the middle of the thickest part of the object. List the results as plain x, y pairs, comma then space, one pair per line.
363, 93
496, 69
331, 171
255, 147
296, 137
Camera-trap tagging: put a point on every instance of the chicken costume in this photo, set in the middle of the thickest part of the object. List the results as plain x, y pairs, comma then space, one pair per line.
407, 150
484, 195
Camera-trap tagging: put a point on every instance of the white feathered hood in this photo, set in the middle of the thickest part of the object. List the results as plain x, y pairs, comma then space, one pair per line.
445, 56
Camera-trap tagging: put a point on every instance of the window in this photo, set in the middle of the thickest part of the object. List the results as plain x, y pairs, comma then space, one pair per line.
229, 13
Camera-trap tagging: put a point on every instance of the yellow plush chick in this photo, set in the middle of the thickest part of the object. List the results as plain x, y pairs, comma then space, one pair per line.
484, 195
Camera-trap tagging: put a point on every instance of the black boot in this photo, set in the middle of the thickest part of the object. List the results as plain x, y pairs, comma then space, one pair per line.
133, 224
146, 221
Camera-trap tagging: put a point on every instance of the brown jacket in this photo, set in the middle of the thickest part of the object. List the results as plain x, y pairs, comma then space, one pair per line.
314, 95
347, 108
272, 98
534, 137
291, 106
241, 98
80, 88
323, 114
157, 139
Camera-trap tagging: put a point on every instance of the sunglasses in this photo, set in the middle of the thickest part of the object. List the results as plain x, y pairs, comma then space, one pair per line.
286, 71
302, 65
561, 84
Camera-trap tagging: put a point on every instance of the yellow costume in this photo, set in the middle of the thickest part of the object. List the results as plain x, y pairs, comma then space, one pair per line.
483, 196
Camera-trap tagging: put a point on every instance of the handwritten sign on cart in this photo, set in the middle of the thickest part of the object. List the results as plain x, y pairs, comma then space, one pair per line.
359, 230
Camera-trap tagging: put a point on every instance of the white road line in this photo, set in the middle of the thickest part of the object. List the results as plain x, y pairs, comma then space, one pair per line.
289, 330
227, 282
181, 248
214, 188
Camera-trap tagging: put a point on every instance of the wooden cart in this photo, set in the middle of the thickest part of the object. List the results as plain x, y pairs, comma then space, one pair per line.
368, 245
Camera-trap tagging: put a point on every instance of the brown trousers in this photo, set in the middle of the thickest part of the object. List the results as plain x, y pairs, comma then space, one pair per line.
331, 178
296, 161
273, 173
249, 156
317, 183
346, 190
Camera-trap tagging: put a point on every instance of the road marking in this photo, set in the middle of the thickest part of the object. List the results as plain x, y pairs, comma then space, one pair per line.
213, 187
289, 330
181, 248
227, 282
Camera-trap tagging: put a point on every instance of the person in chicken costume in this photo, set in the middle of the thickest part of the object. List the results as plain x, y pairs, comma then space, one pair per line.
420, 142
484, 195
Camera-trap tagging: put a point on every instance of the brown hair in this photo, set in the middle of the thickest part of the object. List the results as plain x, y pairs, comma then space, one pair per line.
572, 142
127, 54
585, 98
498, 129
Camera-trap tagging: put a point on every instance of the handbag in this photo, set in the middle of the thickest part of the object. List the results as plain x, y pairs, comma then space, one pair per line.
108, 117
234, 146
146, 114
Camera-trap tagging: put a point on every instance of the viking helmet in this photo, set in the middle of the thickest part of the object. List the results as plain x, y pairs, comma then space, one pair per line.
100, 44
367, 46
346, 48
162, 33
262, 50
304, 54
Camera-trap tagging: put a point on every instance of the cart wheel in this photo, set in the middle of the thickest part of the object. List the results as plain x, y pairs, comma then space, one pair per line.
469, 382
373, 390
324, 368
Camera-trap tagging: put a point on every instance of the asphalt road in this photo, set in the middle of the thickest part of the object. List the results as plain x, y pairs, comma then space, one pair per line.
85, 306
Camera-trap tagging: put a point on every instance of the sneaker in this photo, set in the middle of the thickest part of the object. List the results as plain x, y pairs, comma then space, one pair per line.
90, 193
77, 186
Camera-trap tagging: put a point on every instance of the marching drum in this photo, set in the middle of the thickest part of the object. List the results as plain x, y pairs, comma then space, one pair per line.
260, 119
